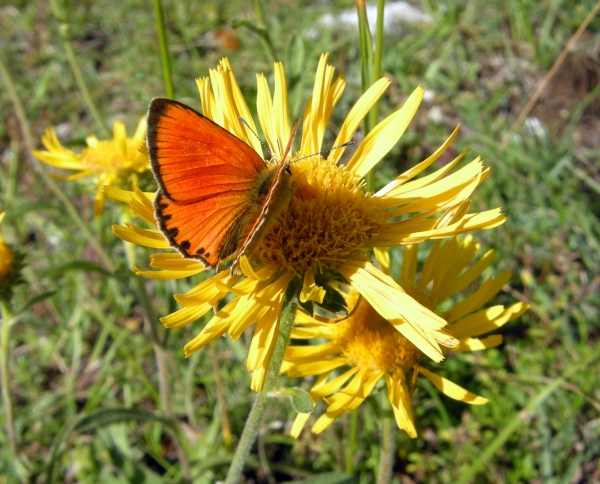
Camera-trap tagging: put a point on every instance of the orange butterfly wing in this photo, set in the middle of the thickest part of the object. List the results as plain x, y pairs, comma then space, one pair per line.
204, 175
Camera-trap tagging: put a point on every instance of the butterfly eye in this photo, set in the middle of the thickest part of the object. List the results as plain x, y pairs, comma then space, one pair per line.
287, 170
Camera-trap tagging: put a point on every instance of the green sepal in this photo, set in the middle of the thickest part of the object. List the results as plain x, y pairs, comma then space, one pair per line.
300, 399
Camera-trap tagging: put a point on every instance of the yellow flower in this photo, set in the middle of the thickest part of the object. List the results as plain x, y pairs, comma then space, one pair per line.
107, 160
10, 267
329, 227
366, 347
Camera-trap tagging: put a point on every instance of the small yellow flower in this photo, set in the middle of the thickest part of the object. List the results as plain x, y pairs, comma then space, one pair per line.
10, 267
365, 347
108, 160
330, 226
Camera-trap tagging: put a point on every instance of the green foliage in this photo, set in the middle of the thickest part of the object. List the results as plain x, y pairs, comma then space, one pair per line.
87, 406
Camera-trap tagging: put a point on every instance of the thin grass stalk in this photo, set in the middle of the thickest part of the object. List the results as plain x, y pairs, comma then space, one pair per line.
388, 442
374, 113
165, 58
161, 367
57, 192
63, 30
225, 427
160, 352
517, 421
259, 408
6, 397
370, 66
351, 450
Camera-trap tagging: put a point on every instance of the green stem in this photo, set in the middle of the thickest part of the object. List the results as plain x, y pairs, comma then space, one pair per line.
370, 66
6, 399
351, 451
388, 441
260, 405
56, 190
165, 59
85, 93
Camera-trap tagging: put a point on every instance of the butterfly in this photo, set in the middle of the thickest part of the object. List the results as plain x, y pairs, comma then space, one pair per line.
217, 199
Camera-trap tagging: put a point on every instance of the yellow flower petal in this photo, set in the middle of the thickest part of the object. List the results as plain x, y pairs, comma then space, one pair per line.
401, 403
184, 316
388, 190
299, 423
166, 275
326, 420
357, 114
334, 385
301, 353
143, 237
383, 257
417, 323
171, 261
482, 295
310, 291
384, 136
452, 390
206, 290
316, 367
476, 344
487, 320
124, 196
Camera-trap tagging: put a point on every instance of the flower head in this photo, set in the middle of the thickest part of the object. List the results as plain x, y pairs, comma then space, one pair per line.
331, 224
11, 262
364, 348
109, 161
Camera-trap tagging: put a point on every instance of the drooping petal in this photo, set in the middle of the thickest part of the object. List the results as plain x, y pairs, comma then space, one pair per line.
401, 402
417, 323
452, 390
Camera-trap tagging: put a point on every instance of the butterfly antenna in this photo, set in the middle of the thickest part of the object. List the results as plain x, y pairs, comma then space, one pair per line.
266, 147
343, 145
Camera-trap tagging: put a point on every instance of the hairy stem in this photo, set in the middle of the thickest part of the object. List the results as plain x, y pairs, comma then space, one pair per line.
6, 398
260, 405
388, 442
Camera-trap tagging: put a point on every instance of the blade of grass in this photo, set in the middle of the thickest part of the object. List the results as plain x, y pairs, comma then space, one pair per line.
63, 30
165, 58
57, 192
518, 421
370, 65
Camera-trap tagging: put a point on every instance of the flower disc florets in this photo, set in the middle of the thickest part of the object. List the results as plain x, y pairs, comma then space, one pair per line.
369, 341
328, 222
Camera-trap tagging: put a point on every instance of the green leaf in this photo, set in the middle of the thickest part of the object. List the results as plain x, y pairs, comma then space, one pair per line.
300, 399
328, 478
81, 265
34, 300
100, 418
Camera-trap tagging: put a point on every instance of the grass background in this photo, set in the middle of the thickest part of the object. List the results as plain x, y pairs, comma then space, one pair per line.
84, 349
